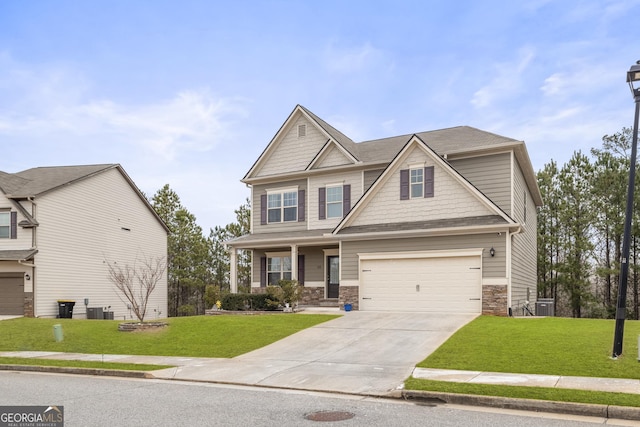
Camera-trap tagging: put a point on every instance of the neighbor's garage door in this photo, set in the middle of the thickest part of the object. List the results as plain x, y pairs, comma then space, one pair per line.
440, 284
12, 295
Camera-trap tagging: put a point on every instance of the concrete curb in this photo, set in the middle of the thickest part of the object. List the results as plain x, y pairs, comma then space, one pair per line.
602, 411
78, 371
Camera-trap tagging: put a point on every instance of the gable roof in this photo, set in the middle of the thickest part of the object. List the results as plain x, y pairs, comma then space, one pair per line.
415, 140
38, 181
448, 142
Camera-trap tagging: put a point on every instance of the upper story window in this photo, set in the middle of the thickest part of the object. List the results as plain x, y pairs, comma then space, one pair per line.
417, 182
334, 202
282, 206
5, 225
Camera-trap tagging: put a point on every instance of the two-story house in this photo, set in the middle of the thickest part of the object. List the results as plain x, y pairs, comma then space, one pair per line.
59, 229
443, 220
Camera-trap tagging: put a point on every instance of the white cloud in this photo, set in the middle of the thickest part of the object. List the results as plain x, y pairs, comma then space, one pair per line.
507, 80
349, 60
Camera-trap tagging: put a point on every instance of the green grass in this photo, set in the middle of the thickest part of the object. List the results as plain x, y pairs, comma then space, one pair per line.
198, 336
552, 346
540, 393
80, 364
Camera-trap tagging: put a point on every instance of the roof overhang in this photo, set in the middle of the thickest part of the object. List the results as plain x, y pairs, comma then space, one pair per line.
18, 255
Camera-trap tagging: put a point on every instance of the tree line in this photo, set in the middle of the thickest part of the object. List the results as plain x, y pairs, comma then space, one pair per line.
580, 230
197, 265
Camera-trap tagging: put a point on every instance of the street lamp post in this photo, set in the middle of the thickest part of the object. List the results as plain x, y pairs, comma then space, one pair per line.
633, 75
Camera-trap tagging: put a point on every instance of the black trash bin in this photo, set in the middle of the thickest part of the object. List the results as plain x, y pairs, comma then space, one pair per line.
65, 309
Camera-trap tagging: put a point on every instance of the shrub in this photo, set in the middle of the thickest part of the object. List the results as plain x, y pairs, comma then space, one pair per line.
213, 294
290, 291
186, 310
274, 297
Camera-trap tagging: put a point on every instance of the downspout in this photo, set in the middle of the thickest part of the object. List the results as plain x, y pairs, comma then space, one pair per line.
509, 256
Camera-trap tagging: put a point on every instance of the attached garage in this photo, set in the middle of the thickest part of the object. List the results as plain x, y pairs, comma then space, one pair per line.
422, 281
11, 294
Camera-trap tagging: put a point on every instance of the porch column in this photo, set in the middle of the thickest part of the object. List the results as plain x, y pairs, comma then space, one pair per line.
294, 262
233, 268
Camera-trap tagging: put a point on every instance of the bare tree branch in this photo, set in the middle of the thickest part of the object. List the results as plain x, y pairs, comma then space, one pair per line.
136, 283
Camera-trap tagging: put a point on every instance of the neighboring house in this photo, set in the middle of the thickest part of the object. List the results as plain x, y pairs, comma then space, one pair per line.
441, 221
59, 226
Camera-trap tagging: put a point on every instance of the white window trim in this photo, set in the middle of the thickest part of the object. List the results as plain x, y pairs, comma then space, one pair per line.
282, 271
421, 196
326, 201
8, 226
282, 191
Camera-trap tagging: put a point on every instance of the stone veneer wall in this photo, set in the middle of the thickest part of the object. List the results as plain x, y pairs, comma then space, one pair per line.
494, 300
261, 290
28, 304
311, 296
349, 294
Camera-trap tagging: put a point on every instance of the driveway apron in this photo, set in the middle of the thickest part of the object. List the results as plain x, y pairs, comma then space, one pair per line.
360, 352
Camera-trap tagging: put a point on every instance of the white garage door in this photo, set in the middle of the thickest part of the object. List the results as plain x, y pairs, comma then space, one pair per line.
436, 284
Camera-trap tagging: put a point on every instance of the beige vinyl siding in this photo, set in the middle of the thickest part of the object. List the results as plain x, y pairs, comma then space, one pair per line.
313, 263
81, 226
259, 190
291, 153
370, 176
491, 267
315, 182
491, 175
451, 198
23, 235
332, 157
524, 246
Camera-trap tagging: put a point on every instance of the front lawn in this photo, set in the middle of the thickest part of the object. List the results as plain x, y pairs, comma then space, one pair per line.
552, 345
198, 336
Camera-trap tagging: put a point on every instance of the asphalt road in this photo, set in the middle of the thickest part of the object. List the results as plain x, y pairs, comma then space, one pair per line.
101, 401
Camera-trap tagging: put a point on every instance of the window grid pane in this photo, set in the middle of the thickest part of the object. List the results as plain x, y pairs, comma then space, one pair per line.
274, 200
290, 199
417, 180
5, 225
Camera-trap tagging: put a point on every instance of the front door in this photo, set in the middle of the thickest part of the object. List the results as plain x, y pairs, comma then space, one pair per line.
333, 276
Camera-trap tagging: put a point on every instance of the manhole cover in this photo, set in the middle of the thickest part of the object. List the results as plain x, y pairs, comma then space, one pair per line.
329, 416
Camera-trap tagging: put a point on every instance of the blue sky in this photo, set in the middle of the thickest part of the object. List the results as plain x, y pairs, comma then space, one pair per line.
190, 92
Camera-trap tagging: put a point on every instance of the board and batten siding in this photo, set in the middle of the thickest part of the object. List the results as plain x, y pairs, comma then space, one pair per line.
492, 267
83, 225
353, 178
260, 190
292, 153
524, 246
451, 199
490, 174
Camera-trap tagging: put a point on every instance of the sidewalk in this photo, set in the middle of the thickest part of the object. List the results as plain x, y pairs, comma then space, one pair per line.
224, 371
615, 385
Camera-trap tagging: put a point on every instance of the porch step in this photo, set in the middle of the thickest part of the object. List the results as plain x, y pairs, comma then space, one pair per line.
329, 302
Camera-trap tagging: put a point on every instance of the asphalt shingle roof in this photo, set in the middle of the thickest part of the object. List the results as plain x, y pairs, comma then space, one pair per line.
35, 181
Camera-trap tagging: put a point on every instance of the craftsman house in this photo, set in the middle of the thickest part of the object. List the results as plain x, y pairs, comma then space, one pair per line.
443, 220
60, 226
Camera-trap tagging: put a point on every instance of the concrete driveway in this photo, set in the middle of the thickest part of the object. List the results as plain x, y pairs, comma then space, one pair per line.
360, 352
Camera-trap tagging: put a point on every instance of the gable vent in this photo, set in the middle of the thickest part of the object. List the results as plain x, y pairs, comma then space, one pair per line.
302, 131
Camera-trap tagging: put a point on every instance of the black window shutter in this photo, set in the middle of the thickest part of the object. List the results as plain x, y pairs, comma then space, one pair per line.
263, 209
428, 181
263, 271
346, 199
14, 225
300, 205
322, 198
301, 269
404, 184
